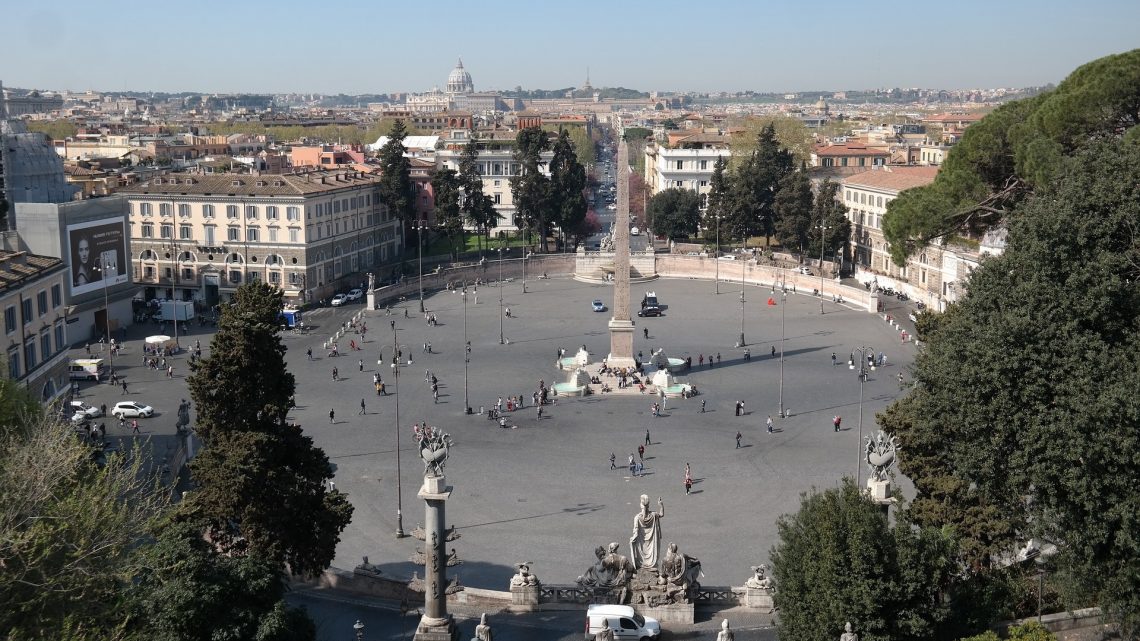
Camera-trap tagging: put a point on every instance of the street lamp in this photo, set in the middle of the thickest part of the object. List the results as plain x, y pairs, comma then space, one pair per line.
716, 255
466, 353
865, 366
420, 226
501, 250
822, 231
399, 476
358, 628
783, 304
107, 273
173, 247
743, 263
526, 255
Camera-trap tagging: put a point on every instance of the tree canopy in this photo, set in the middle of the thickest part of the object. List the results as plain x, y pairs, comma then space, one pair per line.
674, 212
448, 217
530, 187
478, 210
395, 178
567, 186
1015, 150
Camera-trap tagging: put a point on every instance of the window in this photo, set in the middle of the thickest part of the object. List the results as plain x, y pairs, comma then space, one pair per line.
10, 319
30, 354
13, 363
704, 183
275, 277
680, 164
336, 206
251, 212
848, 196
167, 231
187, 273
45, 343
293, 213
320, 210
144, 209
59, 342
168, 272
271, 212
165, 209
272, 234
233, 234
210, 234
498, 183
294, 235
251, 234
41, 300
27, 309
148, 272
185, 232
56, 297
207, 211
231, 211
294, 278
184, 210
498, 199
235, 276
704, 164
879, 201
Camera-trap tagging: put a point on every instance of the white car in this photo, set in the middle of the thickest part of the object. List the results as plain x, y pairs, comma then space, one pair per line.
88, 411
634, 232
131, 409
339, 300
355, 294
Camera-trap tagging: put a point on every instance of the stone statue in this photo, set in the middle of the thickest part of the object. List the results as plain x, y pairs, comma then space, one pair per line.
848, 635
524, 577
371, 281
183, 415
679, 573
605, 634
880, 448
434, 447
725, 633
483, 630
760, 579
611, 573
645, 544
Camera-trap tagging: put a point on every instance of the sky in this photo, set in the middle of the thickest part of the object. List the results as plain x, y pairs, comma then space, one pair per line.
381, 46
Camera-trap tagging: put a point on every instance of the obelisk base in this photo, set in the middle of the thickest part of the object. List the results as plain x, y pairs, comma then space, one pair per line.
432, 629
621, 344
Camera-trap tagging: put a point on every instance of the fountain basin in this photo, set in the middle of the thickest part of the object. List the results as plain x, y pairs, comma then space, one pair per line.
570, 389
677, 391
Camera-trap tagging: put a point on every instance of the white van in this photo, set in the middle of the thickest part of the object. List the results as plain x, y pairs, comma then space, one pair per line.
623, 620
87, 369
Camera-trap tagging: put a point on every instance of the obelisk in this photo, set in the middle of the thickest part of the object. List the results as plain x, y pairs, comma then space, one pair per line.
621, 325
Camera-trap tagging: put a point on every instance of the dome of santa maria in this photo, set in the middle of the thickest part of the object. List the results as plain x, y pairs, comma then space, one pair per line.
459, 81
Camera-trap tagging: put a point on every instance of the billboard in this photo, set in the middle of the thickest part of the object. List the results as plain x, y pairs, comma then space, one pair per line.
98, 251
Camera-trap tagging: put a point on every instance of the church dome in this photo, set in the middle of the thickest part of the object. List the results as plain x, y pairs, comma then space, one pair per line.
459, 81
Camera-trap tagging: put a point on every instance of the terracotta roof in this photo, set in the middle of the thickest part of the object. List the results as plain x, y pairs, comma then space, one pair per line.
848, 150
895, 179
247, 185
16, 267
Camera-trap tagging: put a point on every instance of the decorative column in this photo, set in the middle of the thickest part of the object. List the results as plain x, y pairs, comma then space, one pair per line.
621, 325
435, 624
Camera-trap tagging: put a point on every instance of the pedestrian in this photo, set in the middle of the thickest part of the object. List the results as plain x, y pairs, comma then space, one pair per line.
645, 331
499, 404
632, 465
360, 363
770, 424
742, 412
833, 359
718, 356
425, 347
88, 349
332, 416
124, 388
773, 351
429, 349
738, 437
405, 312
170, 372
702, 406
435, 394
836, 422
336, 374
377, 386
613, 459
641, 452
103, 407
135, 426
647, 441
700, 360
688, 480
736, 408
900, 380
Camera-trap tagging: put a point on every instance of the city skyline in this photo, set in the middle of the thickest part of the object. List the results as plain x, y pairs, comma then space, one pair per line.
728, 46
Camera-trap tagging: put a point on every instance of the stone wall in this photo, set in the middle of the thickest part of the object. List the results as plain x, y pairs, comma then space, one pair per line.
550, 264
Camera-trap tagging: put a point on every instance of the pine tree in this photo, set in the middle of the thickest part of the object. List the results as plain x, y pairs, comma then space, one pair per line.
447, 214
477, 207
567, 187
395, 175
531, 188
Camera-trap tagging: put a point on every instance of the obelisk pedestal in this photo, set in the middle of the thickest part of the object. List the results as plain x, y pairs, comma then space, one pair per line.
621, 325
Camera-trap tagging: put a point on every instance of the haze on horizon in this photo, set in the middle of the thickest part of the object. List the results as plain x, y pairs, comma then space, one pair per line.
667, 45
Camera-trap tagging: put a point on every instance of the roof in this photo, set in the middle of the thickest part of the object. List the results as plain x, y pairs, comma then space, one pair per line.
243, 184
16, 267
954, 118
849, 150
895, 179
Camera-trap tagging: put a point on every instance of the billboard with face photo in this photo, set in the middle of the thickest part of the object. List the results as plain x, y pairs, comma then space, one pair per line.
98, 251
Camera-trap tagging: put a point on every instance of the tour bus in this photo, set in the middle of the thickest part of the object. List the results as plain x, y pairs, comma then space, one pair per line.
87, 369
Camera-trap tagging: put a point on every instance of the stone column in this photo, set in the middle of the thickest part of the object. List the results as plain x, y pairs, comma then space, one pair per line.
435, 624
621, 325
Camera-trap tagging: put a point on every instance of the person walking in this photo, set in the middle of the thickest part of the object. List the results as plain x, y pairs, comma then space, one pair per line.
332, 416
335, 374
135, 426
641, 452
770, 424
688, 480
700, 360
613, 461
718, 358
836, 422
360, 364
124, 388
362, 412
647, 441
738, 437
645, 332
833, 359
632, 465
702, 406
901, 385
309, 353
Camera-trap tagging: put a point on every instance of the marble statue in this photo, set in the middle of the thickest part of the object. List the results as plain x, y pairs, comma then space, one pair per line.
880, 448
523, 577
848, 635
611, 573
725, 633
183, 415
371, 281
645, 544
483, 630
434, 446
760, 579
679, 574
606, 633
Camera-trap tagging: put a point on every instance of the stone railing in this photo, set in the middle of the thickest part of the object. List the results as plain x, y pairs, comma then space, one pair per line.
512, 268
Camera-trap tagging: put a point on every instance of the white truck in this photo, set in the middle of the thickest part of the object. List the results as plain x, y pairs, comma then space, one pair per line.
180, 310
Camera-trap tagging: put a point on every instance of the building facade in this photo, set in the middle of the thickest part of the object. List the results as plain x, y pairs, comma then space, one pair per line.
687, 164
312, 234
35, 321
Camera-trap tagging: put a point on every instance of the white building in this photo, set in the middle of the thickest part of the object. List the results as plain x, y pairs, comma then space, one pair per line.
687, 163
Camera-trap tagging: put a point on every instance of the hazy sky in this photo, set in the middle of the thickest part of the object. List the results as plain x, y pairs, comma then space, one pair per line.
380, 46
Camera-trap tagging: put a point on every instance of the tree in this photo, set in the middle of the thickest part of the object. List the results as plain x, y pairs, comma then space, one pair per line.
791, 132
67, 529
832, 213
530, 187
837, 560
1015, 150
395, 175
794, 208
477, 207
254, 461
54, 129
448, 217
751, 203
186, 590
567, 186
720, 190
1022, 403
674, 213
632, 134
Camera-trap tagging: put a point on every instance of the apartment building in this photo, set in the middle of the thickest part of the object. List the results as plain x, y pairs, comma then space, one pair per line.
35, 321
687, 163
849, 155
200, 237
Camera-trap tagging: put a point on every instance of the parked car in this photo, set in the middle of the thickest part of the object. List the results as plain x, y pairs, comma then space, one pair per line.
355, 294
339, 300
649, 311
634, 231
88, 411
598, 305
805, 271
132, 409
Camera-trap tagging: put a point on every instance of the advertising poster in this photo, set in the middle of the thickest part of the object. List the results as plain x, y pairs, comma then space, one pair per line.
98, 251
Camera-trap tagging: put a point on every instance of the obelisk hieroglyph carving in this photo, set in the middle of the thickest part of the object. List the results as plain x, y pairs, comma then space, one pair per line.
621, 325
